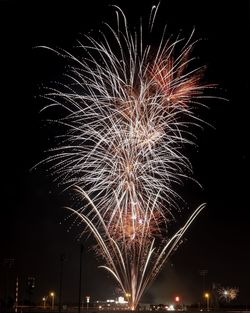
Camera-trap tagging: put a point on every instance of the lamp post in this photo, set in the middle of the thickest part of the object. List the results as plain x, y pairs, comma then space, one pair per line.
128, 295
207, 296
177, 301
52, 294
87, 301
44, 302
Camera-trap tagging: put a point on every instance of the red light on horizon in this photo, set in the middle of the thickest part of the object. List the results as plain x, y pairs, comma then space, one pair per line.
177, 299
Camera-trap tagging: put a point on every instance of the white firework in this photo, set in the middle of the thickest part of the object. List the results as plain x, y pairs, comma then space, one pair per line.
128, 110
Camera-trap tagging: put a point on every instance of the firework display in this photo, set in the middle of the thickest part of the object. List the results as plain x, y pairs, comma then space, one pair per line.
128, 110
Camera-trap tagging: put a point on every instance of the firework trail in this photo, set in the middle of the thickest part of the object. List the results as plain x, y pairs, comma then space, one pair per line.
128, 109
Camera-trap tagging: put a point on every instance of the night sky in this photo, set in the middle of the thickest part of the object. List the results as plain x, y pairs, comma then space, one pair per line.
32, 224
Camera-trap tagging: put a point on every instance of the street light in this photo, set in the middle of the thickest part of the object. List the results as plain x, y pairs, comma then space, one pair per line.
87, 300
52, 294
44, 302
207, 296
177, 300
128, 295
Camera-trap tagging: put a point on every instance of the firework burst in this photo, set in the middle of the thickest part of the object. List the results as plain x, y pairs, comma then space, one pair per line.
128, 110
228, 294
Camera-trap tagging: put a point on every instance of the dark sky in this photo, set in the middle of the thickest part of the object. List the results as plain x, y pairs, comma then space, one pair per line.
32, 225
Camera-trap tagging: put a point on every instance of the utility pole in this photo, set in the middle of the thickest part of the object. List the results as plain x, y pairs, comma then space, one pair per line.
203, 274
62, 258
8, 264
80, 280
16, 295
